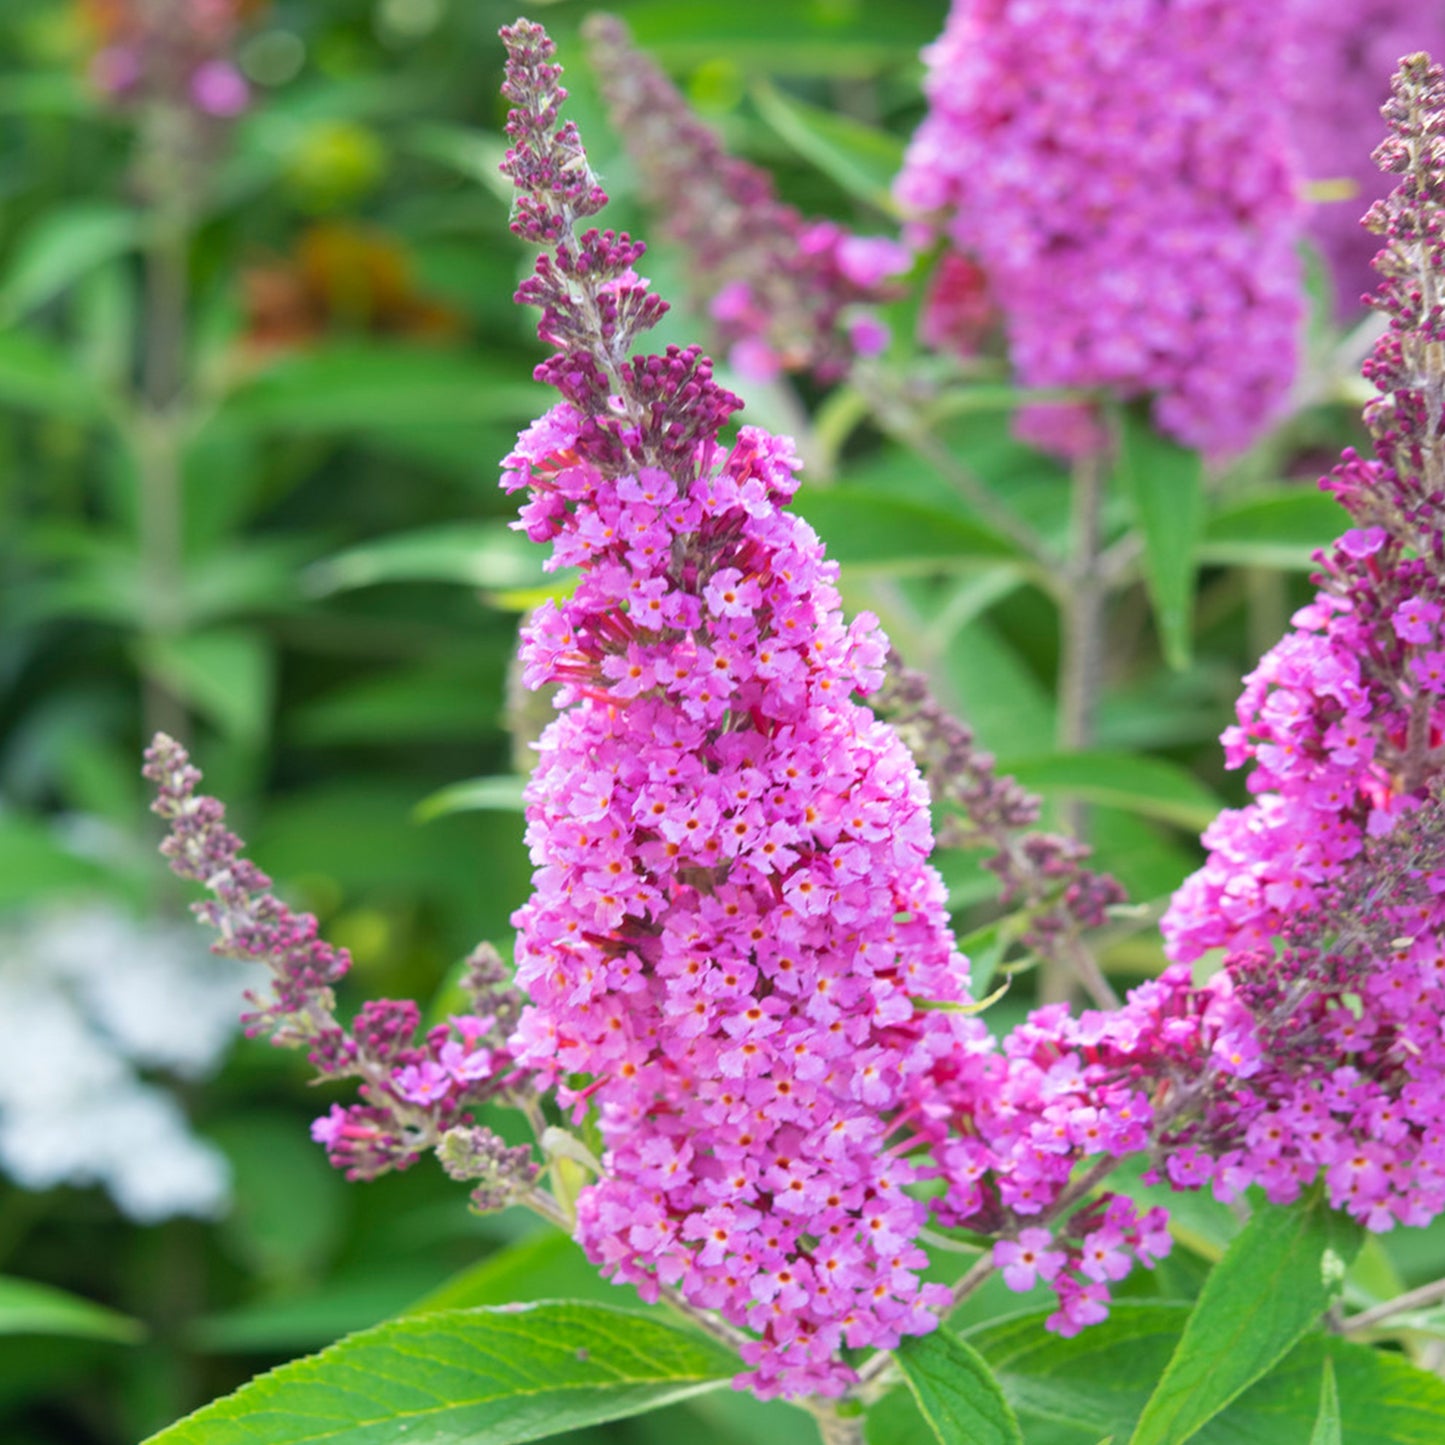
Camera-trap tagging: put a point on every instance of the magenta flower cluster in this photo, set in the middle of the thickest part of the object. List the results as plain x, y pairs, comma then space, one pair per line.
1315, 1050
1140, 257
1337, 61
734, 919
734, 924
1326, 892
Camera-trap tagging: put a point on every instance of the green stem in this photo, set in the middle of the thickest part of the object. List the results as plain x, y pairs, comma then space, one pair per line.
1081, 664
897, 415
1415, 1299
835, 1428
158, 436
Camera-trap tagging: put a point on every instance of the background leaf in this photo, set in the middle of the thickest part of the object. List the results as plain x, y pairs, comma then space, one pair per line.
27, 1308
1165, 486
874, 529
61, 247
1072, 1392
1153, 787
475, 554
862, 159
37, 376
348, 388
1281, 529
1327, 1429
224, 673
499, 794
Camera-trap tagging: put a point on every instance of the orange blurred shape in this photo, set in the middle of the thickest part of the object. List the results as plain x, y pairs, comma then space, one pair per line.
339, 279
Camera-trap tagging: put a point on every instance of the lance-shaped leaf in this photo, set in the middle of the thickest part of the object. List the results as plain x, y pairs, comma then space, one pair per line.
467, 1377
956, 1391
28, 1308
1327, 1429
1272, 1285
1096, 1383
1165, 485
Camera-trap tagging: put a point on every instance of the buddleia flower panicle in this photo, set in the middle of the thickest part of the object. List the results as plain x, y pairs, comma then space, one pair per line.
419, 1088
785, 293
1314, 1051
1325, 891
734, 928
1137, 260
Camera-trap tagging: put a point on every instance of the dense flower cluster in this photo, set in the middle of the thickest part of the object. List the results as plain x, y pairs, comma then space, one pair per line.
734, 924
785, 293
737, 954
418, 1091
1326, 892
1149, 259
91, 1000
1315, 1049
1337, 60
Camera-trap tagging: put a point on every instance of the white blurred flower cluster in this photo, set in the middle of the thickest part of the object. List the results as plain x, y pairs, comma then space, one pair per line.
90, 997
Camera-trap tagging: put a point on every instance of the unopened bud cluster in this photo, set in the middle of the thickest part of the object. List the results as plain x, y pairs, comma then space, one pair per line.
785, 293
415, 1086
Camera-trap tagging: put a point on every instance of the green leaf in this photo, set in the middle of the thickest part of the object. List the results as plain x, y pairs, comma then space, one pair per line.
357, 388
1133, 781
59, 249
467, 1377
454, 694
226, 673
1272, 1285
1383, 1400
1327, 1422
862, 159
1281, 530
27, 1308
39, 377
1070, 1392
47, 93
1096, 1381
762, 36
957, 1392
474, 554
883, 532
501, 794
984, 948
988, 681
1165, 485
